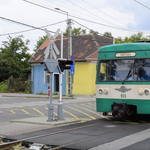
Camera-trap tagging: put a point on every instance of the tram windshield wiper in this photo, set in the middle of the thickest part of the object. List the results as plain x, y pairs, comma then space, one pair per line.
128, 76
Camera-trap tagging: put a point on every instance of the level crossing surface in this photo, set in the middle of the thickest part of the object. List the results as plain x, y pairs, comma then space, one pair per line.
87, 129
97, 134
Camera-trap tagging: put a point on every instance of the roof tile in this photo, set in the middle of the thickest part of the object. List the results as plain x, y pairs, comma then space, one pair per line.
83, 46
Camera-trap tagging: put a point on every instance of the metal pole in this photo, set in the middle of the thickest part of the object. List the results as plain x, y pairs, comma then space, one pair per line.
60, 105
50, 106
69, 55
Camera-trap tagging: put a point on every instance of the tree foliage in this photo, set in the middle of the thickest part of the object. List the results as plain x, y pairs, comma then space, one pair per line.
132, 38
14, 58
108, 34
76, 31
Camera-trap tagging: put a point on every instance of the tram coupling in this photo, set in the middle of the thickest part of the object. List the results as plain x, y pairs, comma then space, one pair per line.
119, 109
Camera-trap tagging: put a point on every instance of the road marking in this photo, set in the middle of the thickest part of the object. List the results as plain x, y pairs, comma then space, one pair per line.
90, 104
54, 112
125, 122
25, 111
12, 111
81, 112
131, 122
93, 112
125, 141
87, 106
0, 111
69, 113
39, 111
142, 121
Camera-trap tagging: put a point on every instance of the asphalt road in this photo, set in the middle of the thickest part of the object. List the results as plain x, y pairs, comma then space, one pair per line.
19, 107
108, 132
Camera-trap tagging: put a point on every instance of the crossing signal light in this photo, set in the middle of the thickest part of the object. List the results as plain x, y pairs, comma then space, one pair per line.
64, 64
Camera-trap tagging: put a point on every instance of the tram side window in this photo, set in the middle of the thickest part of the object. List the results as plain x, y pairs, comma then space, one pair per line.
144, 70
104, 70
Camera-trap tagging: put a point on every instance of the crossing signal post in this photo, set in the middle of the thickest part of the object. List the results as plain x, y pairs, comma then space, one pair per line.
63, 64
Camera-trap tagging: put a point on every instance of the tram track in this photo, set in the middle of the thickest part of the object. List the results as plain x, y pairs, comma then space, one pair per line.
8, 144
63, 146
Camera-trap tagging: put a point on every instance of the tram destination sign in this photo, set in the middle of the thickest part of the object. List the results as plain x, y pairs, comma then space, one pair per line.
131, 54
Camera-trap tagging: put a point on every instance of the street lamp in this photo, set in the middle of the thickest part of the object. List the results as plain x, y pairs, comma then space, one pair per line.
63, 11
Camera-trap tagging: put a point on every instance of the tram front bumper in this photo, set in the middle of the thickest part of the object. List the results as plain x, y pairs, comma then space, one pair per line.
119, 109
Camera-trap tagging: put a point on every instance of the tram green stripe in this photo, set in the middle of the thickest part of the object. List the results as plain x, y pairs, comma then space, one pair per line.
104, 105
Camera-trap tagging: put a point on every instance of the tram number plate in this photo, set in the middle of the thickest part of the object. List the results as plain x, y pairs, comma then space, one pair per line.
36, 146
123, 95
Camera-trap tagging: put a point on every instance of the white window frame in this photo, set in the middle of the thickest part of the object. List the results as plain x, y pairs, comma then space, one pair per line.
46, 77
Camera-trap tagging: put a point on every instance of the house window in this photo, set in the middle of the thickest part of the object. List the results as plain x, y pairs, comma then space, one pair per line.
47, 77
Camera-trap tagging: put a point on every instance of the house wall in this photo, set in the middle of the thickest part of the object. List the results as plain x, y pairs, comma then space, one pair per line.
84, 78
37, 77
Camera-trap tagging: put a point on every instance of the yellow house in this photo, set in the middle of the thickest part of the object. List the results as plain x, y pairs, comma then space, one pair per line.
85, 51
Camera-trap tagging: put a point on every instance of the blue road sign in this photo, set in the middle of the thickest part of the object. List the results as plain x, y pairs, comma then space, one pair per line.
72, 71
72, 57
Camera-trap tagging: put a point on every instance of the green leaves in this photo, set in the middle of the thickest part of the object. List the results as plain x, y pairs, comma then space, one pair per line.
14, 58
133, 38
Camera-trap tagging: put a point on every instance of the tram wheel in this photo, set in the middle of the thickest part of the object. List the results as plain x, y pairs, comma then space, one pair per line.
105, 113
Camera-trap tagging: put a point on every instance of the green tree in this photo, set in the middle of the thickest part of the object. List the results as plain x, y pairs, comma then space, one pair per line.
76, 31
94, 32
108, 34
132, 38
14, 58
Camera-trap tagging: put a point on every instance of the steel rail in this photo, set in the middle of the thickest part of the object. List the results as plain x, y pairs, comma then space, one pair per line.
49, 134
95, 136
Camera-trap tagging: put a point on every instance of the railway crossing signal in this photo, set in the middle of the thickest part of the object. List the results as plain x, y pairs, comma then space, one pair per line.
52, 45
51, 65
64, 64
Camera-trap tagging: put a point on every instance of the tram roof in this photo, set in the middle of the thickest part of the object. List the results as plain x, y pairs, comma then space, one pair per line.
125, 47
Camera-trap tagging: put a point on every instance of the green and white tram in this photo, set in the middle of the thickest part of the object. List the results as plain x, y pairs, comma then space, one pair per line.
123, 79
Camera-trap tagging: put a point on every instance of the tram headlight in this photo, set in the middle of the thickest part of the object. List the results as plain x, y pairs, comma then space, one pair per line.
146, 91
101, 91
141, 91
106, 91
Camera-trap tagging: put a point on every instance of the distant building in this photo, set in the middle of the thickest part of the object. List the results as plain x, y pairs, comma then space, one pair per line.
85, 51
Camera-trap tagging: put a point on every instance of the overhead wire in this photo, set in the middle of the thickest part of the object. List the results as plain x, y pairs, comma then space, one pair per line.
103, 12
27, 25
142, 4
70, 9
85, 19
91, 13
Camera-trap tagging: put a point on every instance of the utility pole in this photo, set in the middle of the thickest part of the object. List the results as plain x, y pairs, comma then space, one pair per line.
69, 55
60, 105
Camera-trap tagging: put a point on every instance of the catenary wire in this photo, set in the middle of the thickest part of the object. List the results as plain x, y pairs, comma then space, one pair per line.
103, 12
91, 13
70, 9
142, 4
85, 19
39, 28
31, 29
17, 22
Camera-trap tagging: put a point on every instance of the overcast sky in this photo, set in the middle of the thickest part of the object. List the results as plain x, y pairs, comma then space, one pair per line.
120, 17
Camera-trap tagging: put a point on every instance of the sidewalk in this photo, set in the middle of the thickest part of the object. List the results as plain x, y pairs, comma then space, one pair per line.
44, 96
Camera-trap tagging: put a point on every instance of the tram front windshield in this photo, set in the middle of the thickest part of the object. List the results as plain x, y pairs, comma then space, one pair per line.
124, 70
